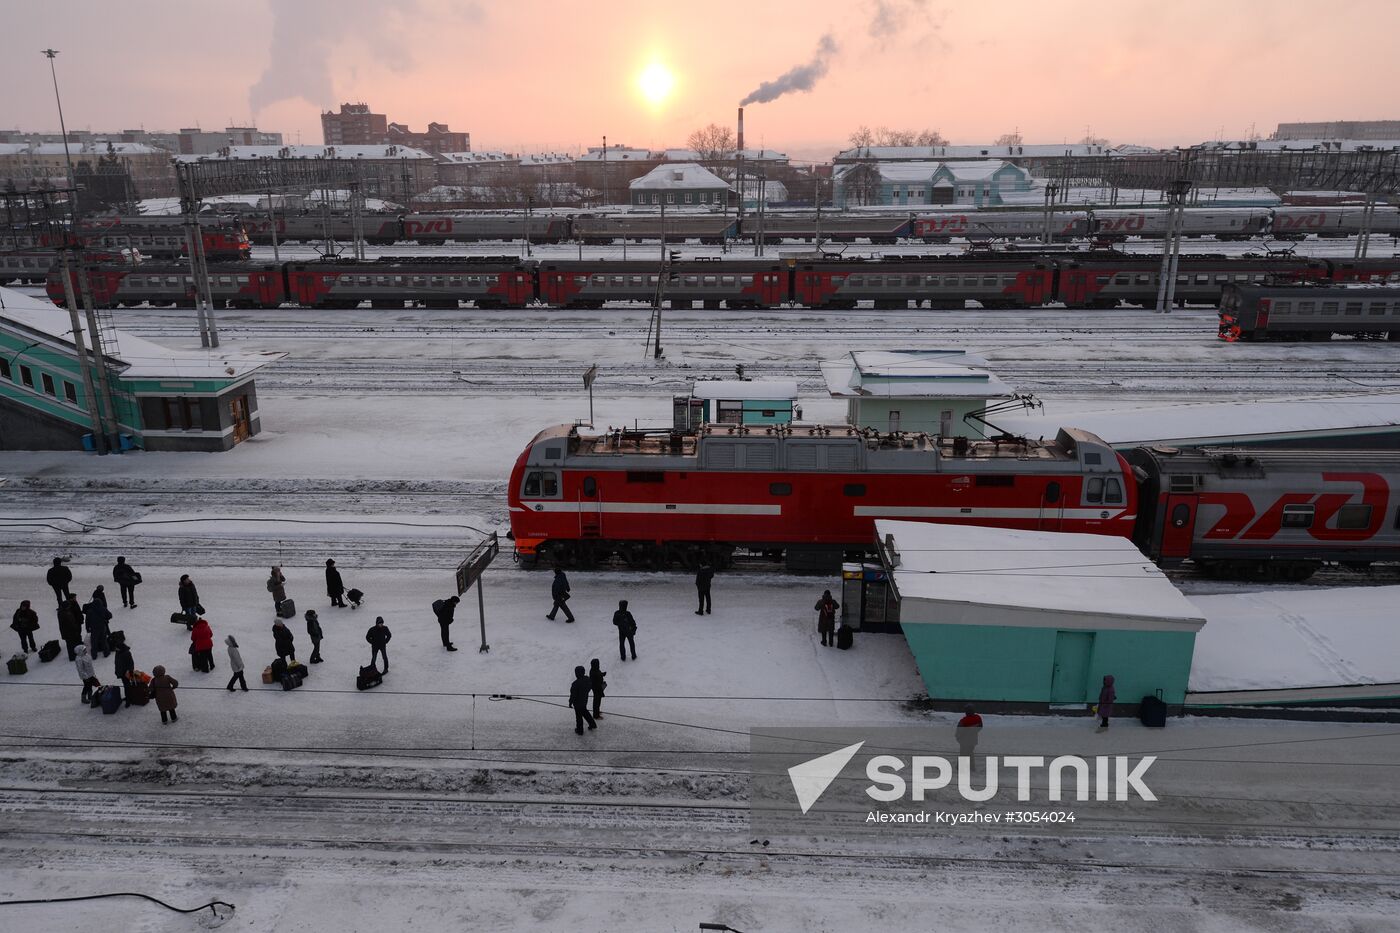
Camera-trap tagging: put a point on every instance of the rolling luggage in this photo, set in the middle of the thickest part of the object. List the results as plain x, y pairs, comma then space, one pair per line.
844, 638
291, 680
183, 618
111, 699
368, 677
356, 597
18, 664
278, 669
288, 608
1152, 712
95, 701
49, 651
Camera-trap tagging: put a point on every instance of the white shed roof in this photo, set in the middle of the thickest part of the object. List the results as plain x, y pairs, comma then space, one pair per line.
1100, 575
911, 374
678, 176
739, 389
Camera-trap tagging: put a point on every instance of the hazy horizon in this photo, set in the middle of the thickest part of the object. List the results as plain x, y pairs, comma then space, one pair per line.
539, 75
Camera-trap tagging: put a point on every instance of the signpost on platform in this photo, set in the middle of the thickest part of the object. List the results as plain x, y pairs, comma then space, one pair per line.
588, 377
470, 571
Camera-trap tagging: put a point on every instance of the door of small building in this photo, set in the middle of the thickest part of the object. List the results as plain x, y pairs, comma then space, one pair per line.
1069, 682
238, 414
1178, 526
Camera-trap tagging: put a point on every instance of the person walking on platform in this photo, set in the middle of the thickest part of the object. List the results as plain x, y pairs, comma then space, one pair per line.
59, 577
277, 586
703, 577
189, 600
83, 663
626, 630
127, 579
1107, 697
163, 687
26, 623
378, 637
96, 619
445, 610
826, 618
235, 663
597, 678
202, 646
559, 589
70, 623
335, 587
578, 699
313, 631
967, 732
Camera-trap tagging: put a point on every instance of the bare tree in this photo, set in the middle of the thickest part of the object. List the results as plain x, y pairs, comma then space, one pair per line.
713, 142
930, 138
862, 137
1009, 139
1091, 140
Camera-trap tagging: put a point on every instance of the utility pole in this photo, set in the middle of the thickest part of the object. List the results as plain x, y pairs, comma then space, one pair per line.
102, 407
605, 171
817, 197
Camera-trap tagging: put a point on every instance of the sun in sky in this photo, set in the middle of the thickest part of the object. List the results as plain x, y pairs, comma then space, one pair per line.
655, 82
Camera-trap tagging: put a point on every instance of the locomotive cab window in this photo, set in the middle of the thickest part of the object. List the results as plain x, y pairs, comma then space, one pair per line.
1093, 492
1297, 516
1113, 491
540, 484
1353, 517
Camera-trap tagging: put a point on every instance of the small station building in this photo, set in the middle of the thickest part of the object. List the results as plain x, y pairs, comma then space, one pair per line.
163, 398
920, 391
745, 401
1034, 620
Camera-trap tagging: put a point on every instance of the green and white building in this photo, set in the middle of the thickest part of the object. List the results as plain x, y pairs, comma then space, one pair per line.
923, 391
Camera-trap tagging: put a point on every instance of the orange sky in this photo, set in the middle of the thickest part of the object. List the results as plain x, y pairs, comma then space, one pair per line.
529, 75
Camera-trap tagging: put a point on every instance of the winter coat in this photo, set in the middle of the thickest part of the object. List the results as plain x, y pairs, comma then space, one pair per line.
163, 686
826, 614
189, 596
125, 663
277, 586
1107, 696
235, 660
559, 589
626, 625
578, 692
970, 721
125, 575
99, 595
96, 615
445, 610
597, 678
202, 636
334, 585
26, 620
703, 576
313, 627
59, 576
378, 635
70, 621
282, 635
83, 663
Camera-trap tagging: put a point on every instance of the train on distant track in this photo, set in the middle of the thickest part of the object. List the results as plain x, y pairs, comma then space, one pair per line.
1309, 312
1095, 278
810, 495
157, 237
915, 225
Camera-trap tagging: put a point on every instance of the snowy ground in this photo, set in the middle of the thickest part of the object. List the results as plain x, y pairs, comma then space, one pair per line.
388, 437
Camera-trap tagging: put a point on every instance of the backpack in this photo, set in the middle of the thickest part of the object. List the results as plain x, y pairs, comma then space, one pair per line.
271, 584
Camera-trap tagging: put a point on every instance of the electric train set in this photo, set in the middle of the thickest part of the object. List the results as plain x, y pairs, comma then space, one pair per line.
810, 495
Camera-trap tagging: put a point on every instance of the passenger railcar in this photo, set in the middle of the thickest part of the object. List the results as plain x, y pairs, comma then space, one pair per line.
241, 285
486, 282
164, 237
1275, 514
996, 281
1309, 312
739, 284
810, 493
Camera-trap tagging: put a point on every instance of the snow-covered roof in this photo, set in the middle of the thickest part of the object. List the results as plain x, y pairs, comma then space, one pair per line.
1197, 423
86, 148
678, 176
911, 374
1055, 572
546, 158
978, 171
387, 151
616, 154
941, 153
1280, 145
741, 389
476, 157
142, 358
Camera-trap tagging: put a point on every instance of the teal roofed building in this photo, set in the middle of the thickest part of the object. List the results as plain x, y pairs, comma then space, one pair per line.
162, 398
928, 391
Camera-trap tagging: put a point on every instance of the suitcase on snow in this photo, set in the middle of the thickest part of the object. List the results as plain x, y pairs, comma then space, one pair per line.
137, 693
844, 638
18, 664
111, 699
267, 677
1152, 712
356, 597
49, 651
368, 677
288, 608
278, 669
296, 667
292, 680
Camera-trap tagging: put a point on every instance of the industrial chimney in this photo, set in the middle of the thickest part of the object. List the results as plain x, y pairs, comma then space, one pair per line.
739, 165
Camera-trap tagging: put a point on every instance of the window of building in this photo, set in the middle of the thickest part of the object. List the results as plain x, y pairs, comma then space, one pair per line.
48, 384
670, 198
5, 370
686, 197
26, 376
1297, 516
70, 391
894, 420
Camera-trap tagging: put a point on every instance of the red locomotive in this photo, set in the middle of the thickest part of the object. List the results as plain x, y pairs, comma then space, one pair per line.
811, 494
